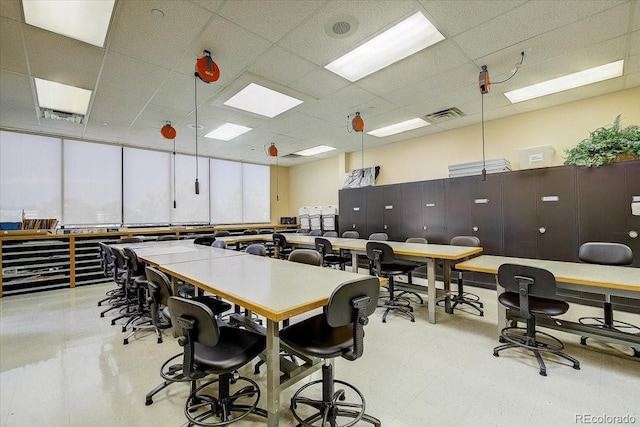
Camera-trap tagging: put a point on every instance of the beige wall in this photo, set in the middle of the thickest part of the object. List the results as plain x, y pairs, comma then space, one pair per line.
280, 193
429, 157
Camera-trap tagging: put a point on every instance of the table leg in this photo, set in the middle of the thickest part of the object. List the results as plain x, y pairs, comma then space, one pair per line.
447, 286
431, 289
354, 261
273, 373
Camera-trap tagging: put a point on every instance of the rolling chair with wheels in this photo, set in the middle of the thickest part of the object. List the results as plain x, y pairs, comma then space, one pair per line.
350, 234
532, 292
204, 240
329, 257
221, 351
337, 332
220, 244
315, 233
383, 260
605, 253
330, 234
160, 291
415, 266
137, 284
256, 249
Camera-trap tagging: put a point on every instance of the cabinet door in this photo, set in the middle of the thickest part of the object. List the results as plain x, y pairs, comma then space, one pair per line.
345, 207
433, 212
375, 211
602, 204
412, 205
392, 212
632, 189
354, 200
519, 214
486, 213
556, 207
458, 207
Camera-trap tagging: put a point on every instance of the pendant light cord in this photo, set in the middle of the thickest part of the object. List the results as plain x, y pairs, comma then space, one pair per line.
174, 173
362, 152
195, 97
484, 170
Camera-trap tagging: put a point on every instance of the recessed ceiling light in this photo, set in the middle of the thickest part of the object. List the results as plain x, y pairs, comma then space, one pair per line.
260, 100
227, 132
399, 127
87, 21
570, 81
193, 126
315, 150
59, 97
406, 38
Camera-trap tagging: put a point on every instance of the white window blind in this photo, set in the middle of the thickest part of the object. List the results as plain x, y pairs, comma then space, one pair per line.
256, 193
190, 207
30, 177
92, 191
226, 191
147, 187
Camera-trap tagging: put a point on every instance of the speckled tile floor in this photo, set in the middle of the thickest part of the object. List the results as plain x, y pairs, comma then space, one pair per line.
62, 365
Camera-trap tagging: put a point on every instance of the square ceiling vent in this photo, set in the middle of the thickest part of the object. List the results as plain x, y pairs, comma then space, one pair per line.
444, 115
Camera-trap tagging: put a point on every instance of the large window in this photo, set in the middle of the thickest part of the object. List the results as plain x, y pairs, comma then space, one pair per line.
226, 191
147, 187
256, 193
30, 177
92, 190
191, 208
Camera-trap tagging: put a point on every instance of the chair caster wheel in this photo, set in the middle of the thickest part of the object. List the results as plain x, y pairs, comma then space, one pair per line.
148, 402
543, 373
113, 322
125, 342
636, 352
159, 341
495, 353
576, 367
101, 314
256, 371
481, 314
124, 329
413, 320
583, 340
502, 340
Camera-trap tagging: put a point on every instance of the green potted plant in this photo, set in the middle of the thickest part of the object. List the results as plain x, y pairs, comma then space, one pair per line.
606, 145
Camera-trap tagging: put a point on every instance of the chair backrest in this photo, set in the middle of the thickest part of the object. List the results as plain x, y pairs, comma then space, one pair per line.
279, 240
315, 233
306, 256
167, 237
221, 233
159, 293
256, 249
134, 266
351, 303
465, 241
219, 244
351, 234
119, 262
249, 232
379, 237
130, 240
265, 231
204, 240
417, 240
323, 246
605, 253
302, 231
538, 281
330, 234
380, 251
106, 258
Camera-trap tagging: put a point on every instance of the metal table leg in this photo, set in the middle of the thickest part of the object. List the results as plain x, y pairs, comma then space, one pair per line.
431, 289
273, 373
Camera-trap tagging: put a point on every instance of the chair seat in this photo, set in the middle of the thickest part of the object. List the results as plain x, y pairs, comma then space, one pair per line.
537, 305
234, 349
396, 268
313, 336
336, 259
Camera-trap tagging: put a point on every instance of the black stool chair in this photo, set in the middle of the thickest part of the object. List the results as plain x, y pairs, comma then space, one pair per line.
532, 292
383, 263
463, 297
337, 332
210, 349
605, 253
329, 257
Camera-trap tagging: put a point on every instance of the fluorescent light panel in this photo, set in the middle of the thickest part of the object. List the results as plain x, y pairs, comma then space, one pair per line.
261, 100
315, 150
227, 132
56, 96
399, 127
406, 38
87, 21
570, 81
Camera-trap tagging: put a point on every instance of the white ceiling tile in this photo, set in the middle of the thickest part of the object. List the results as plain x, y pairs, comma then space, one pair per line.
270, 66
107, 107
179, 92
16, 88
320, 83
270, 19
18, 116
155, 38
131, 78
210, 5
634, 43
347, 97
11, 9
98, 130
636, 17
156, 115
12, 52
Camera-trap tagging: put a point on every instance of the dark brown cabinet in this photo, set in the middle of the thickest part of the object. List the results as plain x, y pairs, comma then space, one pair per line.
486, 213
632, 195
353, 210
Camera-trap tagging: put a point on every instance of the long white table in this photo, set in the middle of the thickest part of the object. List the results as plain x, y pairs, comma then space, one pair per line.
272, 288
599, 279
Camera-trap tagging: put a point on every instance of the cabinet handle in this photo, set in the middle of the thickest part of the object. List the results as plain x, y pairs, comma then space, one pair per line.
475, 228
424, 227
353, 226
542, 230
385, 226
633, 234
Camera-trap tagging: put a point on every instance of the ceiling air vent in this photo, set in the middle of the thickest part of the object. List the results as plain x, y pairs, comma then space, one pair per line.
444, 115
291, 156
61, 115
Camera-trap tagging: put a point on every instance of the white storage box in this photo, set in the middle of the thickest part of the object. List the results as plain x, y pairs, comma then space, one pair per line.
536, 157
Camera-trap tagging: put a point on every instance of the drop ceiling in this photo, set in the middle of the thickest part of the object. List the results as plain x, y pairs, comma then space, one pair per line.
144, 75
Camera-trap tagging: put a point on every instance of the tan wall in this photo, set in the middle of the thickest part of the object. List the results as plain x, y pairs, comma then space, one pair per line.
280, 194
429, 157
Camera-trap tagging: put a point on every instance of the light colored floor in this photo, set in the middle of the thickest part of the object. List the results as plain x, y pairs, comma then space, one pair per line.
63, 365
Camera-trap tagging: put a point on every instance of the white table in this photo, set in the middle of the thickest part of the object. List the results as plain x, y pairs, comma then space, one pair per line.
599, 279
